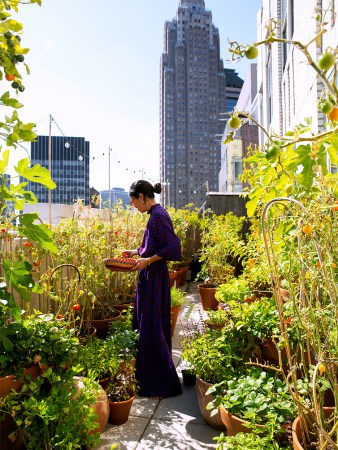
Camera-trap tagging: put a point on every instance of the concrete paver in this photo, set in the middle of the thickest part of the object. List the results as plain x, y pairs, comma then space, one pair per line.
173, 423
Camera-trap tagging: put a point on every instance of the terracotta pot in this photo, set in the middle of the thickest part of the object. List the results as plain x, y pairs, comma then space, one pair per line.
207, 294
9, 382
101, 406
173, 274
181, 276
174, 312
203, 399
297, 434
102, 325
234, 424
270, 352
119, 411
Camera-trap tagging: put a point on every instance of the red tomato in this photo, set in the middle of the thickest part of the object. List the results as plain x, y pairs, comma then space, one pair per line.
27, 244
76, 307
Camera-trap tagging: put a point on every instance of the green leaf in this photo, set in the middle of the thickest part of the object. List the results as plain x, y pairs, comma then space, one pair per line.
4, 162
37, 173
18, 275
40, 233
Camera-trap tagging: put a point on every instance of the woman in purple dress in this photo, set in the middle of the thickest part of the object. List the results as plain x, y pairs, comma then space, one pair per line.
156, 372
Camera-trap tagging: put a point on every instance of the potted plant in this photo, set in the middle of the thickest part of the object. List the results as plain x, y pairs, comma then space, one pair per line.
259, 396
234, 289
55, 411
217, 318
34, 344
121, 391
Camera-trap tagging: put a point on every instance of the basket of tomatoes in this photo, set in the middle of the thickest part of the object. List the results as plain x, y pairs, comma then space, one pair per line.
120, 264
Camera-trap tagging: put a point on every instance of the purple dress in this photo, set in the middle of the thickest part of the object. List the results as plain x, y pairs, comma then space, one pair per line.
156, 372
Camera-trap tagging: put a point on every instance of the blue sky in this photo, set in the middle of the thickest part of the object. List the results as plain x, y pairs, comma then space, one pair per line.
95, 68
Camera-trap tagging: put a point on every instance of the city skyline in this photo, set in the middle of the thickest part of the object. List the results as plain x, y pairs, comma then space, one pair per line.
99, 77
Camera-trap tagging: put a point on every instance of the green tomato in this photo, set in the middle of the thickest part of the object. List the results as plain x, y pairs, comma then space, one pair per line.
273, 152
289, 188
325, 106
326, 61
251, 52
234, 122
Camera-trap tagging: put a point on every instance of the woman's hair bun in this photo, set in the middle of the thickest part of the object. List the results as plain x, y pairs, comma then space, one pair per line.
157, 188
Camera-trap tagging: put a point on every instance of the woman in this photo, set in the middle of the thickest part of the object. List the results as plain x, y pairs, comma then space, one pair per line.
156, 372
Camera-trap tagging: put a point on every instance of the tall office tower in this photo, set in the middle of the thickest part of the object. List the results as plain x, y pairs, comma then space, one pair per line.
69, 165
192, 96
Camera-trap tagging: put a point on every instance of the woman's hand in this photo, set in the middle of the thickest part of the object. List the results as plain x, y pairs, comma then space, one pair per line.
142, 263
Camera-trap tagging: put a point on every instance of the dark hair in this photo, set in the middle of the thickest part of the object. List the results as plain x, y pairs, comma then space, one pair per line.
145, 188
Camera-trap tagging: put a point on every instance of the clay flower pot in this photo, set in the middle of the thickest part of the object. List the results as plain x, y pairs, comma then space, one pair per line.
297, 434
119, 411
214, 421
207, 294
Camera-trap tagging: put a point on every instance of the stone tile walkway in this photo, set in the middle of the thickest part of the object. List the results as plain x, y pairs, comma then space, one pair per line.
172, 423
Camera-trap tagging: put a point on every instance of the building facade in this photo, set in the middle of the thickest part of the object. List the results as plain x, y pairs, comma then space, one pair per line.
69, 158
232, 153
288, 86
192, 97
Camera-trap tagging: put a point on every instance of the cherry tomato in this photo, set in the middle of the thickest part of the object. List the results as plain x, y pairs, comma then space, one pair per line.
307, 229
321, 368
27, 244
9, 77
76, 307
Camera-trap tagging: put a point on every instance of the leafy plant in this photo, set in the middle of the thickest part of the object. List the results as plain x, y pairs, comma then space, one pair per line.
97, 359
249, 441
217, 317
177, 296
123, 385
257, 397
52, 412
221, 246
233, 289
38, 339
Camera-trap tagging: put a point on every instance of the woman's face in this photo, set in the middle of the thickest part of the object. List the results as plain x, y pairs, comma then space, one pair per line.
138, 203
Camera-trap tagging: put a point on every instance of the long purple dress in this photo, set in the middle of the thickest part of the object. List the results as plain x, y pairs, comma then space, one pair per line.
156, 372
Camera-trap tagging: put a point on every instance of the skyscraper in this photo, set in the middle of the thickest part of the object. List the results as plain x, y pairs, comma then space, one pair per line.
192, 96
70, 168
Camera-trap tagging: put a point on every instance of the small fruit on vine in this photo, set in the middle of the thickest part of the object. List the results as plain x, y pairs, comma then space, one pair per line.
307, 229
289, 188
76, 307
251, 52
19, 58
321, 368
9, 77
273, 152
27, 244
325, 106
326, 61
234, 122
8, 35
334, 265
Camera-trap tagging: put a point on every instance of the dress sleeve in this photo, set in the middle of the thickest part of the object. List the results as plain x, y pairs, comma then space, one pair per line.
168, 245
